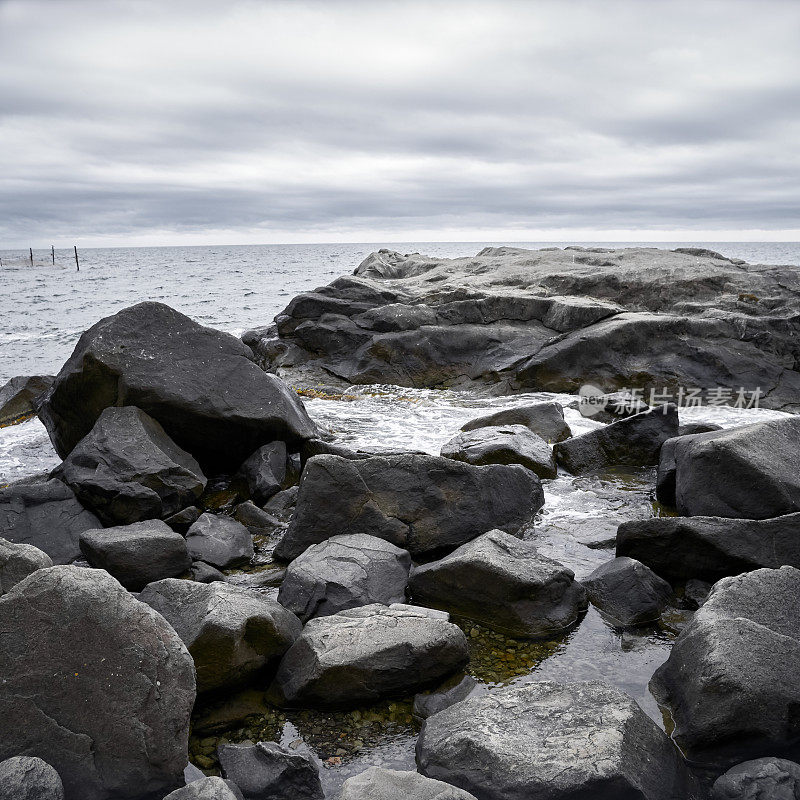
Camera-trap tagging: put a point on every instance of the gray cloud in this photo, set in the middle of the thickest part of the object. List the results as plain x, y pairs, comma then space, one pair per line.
140, 120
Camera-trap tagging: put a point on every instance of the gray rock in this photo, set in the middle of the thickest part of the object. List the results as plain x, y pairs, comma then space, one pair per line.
201, 385
282, 505
256, 520
696, 592
127, 469
29, 778
345, 572
697, 427
17, 561
502, 582
220, 541
731, 683
205, 573
612, 407
627, 591
265, 471
762, 779
512, 444
184, 519
751, 472
426, 705
378, 783
633, 441
665, 478
544, 419
710, 548
110, 711
267, 771
47, 516
363, 654
204, 789
137, 554
18, 397
417, 502
553, 742
232, 633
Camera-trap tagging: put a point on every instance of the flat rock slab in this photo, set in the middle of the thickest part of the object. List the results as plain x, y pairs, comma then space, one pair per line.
47, 516
710, 548
345, 572
544, 419
127, 469
17, 561
633, 441
378, 783
731, 683
364, 654
553, 742
110, 711
509, 444
220, 541
200, 384
137, 554
504, 583
232, 633
418, 502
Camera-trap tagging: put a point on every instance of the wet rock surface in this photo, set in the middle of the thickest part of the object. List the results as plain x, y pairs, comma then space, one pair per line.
544, 419
18, 397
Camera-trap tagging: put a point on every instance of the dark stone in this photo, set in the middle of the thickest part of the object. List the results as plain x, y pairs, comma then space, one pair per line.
363, 654
18, 398
345, 572
502, 582
378, 783
627, 591
417, 502
47, 516
319, 447
544, 419
126, 469
697, 427
205, 573
17, 561
137, 554
201, 385
665, 478
257, 521
29, 778
731, 683
232, 633
553, 742
184, 519
612, 407
762, 779
512, 444
695, 593
265, 471
220, 541
267, 771
94, 683
634, 441
710, 548
426, 705
204, 789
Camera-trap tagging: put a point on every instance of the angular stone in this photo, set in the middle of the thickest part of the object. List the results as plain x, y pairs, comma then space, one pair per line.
345, 572
265, 471
232, 633
762, 779
426, 705
137, 554
17, 561
47, 516
127, 469
544, 419
19, 397
204, 789
553, 742
378, 783
184, 519
364, 654
257, 521
417, 502
205, 573
220, 541
504, 583
110, 711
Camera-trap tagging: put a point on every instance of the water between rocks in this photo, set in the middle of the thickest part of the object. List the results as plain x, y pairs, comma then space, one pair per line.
576, 527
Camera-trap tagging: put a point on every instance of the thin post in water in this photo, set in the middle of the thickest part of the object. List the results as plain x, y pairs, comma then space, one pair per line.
77, 265
53, 253
30, 250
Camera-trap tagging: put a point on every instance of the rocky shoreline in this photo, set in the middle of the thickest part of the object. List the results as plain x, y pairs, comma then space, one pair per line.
208, 568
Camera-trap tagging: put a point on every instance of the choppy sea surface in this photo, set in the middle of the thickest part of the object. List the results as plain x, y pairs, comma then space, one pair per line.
46, 307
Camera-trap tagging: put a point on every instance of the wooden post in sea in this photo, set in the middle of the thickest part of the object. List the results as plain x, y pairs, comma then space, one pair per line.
30, 250
77, 265
53, 253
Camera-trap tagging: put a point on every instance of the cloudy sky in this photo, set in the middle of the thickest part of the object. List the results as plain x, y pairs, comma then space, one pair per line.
167, 122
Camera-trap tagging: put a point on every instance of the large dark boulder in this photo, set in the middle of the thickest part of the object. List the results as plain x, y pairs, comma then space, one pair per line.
509, 444
137, 554
200, 384
761, 779
363, 654
731, 683
232, 633
710, 548
378, 783
418, 502
47, 516
752, 472
29, 778
19, 397
96, 684
633, 441
127, 469
502, 582
627, 591
345, 572
17, 561
552, 741
544, 419
220, 541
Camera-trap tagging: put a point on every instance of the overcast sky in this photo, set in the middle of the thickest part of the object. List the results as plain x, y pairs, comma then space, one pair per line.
242, 122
